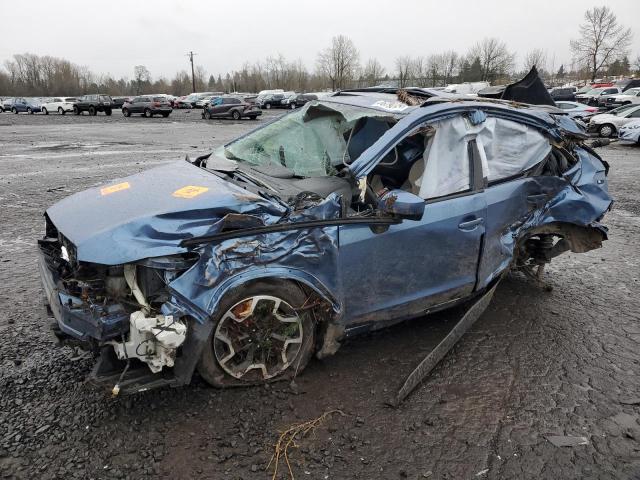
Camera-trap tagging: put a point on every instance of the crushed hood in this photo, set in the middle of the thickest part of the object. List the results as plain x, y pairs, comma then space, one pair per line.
150, 213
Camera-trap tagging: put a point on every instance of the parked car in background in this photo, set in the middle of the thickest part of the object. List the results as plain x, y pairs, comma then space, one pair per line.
630, 133
26, 105
147, 106
303, 98
5, 105
289, 100
563, 93
60, 105
270, 100
205, 100
182, 102
93, 104
628, 83
626, 97
230, 107
576, 109
119, 101
193, 98
592, 97
607, 124
248, 261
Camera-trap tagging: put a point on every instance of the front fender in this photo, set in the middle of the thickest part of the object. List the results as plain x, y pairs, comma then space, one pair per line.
278, 274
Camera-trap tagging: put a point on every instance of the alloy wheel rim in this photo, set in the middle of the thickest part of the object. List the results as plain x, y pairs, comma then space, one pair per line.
258, 338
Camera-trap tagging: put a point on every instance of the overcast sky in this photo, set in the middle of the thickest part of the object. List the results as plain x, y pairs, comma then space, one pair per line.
113, 36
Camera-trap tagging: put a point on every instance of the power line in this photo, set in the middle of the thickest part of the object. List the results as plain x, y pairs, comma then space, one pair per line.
193, 76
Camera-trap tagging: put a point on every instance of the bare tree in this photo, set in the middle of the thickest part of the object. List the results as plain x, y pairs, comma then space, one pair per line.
536, 58
403, 70
339, 62
140, 75
495, 59
373, 71
637, 63
601, 41
450, 61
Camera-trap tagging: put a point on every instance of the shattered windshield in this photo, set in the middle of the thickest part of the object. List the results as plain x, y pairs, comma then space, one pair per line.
312, 141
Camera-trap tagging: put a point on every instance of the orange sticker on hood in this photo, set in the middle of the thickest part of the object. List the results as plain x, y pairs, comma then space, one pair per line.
114, 188
189, 191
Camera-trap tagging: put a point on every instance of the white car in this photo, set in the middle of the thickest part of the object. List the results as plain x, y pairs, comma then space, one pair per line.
630, 133
61, 105
628, 96
608, 124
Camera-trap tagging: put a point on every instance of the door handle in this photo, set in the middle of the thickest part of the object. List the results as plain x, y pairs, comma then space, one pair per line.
471, 224
537, 200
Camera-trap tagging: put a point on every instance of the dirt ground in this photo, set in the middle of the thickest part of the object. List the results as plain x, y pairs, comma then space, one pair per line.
537, 363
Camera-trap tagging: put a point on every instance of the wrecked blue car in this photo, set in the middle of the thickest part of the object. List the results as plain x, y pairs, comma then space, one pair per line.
354, 212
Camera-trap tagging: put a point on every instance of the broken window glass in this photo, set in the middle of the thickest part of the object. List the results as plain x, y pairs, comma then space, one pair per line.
312, 142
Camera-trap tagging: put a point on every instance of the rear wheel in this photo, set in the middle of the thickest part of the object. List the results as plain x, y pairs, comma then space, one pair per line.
165, 115
268, 106
207, 115
147, 113
92, 111
292, 106
45, 111
76, 110
108, 112
14, 110
61, 111
606, 130
29, 111
260, 335
253, 117
236, 115
126, 112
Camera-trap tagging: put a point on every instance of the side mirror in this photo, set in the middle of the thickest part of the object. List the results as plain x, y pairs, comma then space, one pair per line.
399, 203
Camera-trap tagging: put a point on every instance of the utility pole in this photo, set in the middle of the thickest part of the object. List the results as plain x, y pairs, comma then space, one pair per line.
193, 75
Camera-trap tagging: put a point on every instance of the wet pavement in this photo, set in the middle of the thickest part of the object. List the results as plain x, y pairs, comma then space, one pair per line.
537, 364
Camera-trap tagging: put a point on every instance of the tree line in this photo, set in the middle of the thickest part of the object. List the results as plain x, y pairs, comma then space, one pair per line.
601, 49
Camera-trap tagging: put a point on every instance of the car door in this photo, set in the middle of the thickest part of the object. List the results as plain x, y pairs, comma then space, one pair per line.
136, 105
216, 107
418, 264
512, 153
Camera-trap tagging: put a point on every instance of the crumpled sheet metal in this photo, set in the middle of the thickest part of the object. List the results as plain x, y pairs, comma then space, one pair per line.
288, 254
146, 219
582, 203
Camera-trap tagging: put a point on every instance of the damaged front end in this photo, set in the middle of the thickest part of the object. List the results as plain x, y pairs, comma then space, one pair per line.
125, 313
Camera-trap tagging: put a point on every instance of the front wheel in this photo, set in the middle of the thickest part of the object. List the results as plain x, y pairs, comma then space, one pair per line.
76, 110
92, 111
261, 334
606, 130
268, 106
14, 110
292, 106
29, 111
126, 112
147, 113
45, 111
165, 115
61, 111
108, 112
236, 115
207, 115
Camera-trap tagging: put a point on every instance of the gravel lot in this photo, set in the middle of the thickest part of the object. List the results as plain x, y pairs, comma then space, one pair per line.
537, 363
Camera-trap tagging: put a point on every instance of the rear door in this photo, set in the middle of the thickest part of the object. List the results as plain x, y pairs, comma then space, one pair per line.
512, 154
